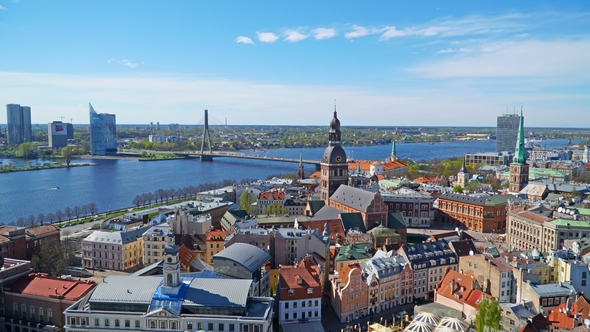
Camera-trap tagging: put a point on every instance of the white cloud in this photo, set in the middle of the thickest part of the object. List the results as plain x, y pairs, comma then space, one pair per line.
359, 31
244, 40
323, 33
126, 62
267, 37
448, 50
391, 32
294, 36
529, 58
136, 97
3, 8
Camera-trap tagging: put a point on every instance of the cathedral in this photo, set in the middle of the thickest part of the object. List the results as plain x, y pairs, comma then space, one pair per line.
334, 166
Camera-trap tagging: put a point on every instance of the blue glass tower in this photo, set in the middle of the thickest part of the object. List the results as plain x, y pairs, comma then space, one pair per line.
103, 133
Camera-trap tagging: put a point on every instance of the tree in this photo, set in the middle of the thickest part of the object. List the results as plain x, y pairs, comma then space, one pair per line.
59, 215
92, 208
30, 221
77, 211
488, 316
53, 257
246, 200
136, 201
275, 208
26, 150
66, 152
68, 212
50, 217
40, 218
471, 186
458, 189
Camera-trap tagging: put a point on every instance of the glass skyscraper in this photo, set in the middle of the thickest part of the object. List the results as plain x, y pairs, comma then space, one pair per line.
103, 133
19, 124
506, 132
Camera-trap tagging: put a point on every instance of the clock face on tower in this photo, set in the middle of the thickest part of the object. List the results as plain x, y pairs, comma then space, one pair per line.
169, 259
338, 159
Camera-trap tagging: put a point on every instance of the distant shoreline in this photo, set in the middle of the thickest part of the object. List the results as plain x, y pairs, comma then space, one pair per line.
40, 168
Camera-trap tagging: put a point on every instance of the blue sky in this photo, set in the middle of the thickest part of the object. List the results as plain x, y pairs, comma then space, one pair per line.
391, 63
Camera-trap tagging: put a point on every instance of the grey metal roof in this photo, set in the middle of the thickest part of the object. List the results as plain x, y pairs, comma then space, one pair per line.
104, 237
126, 289
327, 213
208, 292
553, 290
354, 197
431, 254
133, 235
247, 255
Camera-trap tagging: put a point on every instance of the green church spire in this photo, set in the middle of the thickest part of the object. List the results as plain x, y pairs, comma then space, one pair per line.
393, 154
520, 153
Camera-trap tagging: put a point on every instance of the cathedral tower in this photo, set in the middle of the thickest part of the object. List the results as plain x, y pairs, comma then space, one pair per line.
334, 167
519, 169
463, 175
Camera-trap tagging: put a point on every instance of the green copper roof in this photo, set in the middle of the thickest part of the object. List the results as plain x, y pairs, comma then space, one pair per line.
356, 251
520, 153
573, 223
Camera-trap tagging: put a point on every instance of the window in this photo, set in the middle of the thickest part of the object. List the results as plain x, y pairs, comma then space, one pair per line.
83, 321
96, 322
32, 312
173, 325
152, 324
107, 323
221, 326
245, 328
163, 324
286, 305
117, 323
189, 326
210, 326
41, 313
287, 316
23, 308
72, 320
15, 308
231, 328
127, 323
49, 314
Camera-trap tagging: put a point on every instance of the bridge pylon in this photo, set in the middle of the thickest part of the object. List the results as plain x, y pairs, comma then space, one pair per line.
206, 136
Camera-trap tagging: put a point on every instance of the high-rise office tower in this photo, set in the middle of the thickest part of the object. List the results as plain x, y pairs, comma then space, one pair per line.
506, 132
19, 124
103, 133
57, 134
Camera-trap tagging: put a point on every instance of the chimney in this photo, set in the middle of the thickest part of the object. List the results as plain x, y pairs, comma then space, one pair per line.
452, 286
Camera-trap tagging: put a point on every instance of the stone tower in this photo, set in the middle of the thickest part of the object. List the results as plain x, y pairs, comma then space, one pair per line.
334, 167
171, 271
463, 175
301, 170
519, 169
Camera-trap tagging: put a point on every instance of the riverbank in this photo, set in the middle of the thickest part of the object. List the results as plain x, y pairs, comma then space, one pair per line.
43, 167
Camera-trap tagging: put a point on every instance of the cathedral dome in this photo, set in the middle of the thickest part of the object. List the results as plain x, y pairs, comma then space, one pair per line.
334, 155
335, 124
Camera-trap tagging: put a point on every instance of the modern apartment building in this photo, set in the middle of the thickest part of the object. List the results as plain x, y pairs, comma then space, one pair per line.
19, 124
103, 133
57, 134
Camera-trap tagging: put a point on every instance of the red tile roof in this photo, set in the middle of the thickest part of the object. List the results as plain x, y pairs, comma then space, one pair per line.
41, 285
215, 235
276, 195
41, 230
186, 256
460, 288
298, 280
334, 226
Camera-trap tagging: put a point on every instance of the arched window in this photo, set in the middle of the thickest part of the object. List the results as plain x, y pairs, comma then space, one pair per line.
41, 313
49, 315
15, 309
32, 312
23, 308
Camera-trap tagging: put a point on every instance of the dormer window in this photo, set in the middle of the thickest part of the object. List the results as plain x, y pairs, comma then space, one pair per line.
310, 291
299, 281
291, 292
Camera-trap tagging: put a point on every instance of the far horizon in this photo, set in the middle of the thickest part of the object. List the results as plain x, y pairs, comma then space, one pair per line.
460, 63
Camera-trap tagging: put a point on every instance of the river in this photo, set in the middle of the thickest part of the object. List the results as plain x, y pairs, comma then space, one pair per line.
112, 184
